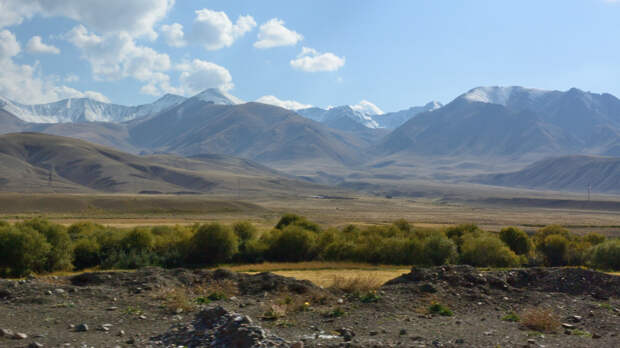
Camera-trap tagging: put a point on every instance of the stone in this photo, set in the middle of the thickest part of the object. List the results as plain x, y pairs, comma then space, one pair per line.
81, 328
373, 333
35, 345
121, 333
297, 345
568, 326
596, 335
143, 317
459, 341
113, 308
402, 332
6, 333
576, 318
20, 336
59, 291
531, 341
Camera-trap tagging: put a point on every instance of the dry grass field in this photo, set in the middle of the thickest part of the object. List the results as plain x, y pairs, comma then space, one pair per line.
132, 210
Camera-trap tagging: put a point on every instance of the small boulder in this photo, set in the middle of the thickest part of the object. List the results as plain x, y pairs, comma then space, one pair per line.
81, 328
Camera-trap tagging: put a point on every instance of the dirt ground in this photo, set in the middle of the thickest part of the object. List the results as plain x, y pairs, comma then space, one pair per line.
200, 308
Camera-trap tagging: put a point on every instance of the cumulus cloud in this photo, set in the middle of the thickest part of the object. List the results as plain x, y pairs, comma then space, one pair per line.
286, 104
214, 30
367, 107
35, 45
136, 17
173, 35
311, 60
199, 75
25, 83
274, 34
116, 56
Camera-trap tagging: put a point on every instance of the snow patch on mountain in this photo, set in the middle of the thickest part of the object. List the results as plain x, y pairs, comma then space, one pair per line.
217, 96
501, 95
367, 108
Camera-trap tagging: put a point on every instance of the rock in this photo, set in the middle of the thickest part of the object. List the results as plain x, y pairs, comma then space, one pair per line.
143, 317
373, 333
576, 318
402, 332
568, 326
340, 301
59, 291
35, 345
20, 336
49, 292
297, 345
121, 333
596, 335
459, 341
531, 341
81, 328
347, 334
6, 333
113, 308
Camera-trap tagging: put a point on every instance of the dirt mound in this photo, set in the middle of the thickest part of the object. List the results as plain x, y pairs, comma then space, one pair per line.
574, 281
217, 327
153, 278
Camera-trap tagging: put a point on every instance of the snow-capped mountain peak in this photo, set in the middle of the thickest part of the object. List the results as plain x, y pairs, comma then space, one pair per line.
217, 96
86, 110
367, 108
501, 95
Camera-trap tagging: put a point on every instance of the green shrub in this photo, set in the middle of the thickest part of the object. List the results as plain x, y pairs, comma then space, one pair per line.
213, 243
487, 251
296, 220
517, 240
606, 255
138, 239
86, 253
438, 308
555, 249
244, 231
439, 250
293, 243
593, 238
458, 233
22, 250
403, 225
541, 234
60, 256
83, 229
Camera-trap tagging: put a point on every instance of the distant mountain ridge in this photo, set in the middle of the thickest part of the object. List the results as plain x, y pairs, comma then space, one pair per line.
347, 118
74, 110
513, 122
575, 173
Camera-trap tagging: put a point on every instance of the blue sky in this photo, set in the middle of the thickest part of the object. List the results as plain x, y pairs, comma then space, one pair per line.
395, 54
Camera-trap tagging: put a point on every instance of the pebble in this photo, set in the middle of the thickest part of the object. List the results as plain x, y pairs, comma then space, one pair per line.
113, 308
121, 333
576, 318
402, 332
59, 291
20, 336
596, 335
143, 317
568, 326
6, 333
340, 301
35, 345
81, 328
297, 345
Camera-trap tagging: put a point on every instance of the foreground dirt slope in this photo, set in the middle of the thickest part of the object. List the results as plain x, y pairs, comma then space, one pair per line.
195, 308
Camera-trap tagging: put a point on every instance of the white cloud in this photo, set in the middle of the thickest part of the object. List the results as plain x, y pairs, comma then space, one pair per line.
275, 34
287, 104
367, 107
311, 60
26, 83
136, 17
199, 75
9, 47
116, 56
96, 96
173, 35
72, 78
35, 45
214, 30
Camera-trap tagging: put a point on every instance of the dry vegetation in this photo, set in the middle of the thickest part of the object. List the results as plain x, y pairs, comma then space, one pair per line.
540, 319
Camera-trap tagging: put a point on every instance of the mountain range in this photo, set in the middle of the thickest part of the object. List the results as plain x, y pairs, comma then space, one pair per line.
486, 125
34, 162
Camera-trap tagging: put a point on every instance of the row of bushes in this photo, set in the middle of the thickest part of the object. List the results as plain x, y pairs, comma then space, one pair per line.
40, 246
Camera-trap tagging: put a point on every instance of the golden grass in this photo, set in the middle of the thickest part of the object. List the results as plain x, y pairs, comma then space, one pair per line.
356, 284
540, 319
311, 265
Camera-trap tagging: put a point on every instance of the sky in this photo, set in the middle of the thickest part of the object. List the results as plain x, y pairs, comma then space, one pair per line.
373, 54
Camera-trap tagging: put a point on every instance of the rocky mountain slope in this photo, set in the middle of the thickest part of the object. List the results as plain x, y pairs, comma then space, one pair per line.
32, 162
568, 173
